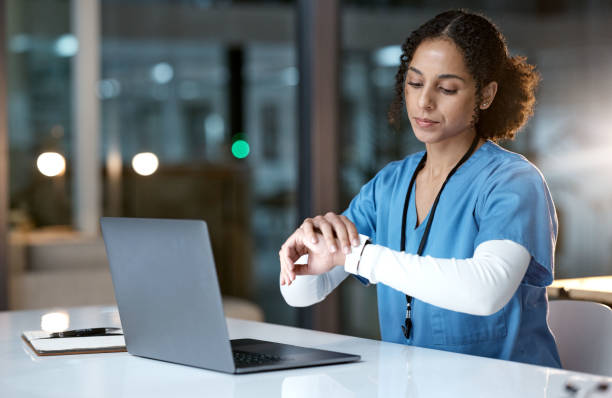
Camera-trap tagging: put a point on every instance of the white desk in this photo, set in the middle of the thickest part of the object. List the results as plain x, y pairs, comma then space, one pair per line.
386, 370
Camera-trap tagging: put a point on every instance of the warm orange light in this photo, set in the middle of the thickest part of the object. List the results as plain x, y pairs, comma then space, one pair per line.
145, 163
51, 164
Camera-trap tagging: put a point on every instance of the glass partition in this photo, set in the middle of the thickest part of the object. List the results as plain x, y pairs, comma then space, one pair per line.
198, 120
39, 110
211, 92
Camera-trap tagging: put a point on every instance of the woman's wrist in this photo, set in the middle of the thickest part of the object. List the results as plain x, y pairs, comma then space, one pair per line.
339, 258
352, 260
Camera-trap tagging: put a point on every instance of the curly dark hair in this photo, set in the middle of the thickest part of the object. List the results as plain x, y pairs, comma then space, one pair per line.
487, 59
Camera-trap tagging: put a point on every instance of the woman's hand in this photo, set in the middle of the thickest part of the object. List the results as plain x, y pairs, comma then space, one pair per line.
320, 259
335, 229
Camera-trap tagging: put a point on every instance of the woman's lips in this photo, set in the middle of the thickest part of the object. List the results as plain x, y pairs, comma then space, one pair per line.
425, 122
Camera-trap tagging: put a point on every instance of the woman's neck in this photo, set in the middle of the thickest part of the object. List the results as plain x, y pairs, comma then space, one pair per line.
443, 156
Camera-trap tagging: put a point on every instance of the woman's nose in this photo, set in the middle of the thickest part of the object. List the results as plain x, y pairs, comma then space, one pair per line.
425, 100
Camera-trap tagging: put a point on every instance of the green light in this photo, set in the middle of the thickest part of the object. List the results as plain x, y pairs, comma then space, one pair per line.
240, 149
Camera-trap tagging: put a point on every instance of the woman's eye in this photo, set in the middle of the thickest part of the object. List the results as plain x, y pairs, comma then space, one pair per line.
415, 84
446, 91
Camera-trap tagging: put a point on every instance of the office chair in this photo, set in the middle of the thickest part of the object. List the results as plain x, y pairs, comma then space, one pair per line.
583, 331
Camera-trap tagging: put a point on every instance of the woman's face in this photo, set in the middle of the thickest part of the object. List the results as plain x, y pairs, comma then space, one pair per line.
440, 92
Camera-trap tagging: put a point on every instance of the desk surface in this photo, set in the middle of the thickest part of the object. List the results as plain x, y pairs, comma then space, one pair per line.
596, 288
386, 370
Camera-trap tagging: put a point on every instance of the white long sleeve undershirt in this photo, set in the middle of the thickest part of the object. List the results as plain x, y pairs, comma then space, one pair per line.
480, 285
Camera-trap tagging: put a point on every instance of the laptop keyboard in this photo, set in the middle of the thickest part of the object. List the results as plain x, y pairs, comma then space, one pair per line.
243, 358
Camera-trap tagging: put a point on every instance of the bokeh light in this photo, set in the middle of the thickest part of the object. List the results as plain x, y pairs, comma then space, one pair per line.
54, 322
162, 73
51, 164
388, 56
20, 43
145, 163
66, 45
240, 149
108, 88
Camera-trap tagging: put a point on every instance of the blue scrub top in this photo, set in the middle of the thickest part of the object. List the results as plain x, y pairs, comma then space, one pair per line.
496, 194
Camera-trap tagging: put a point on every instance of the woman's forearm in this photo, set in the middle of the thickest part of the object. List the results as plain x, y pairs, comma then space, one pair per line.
480, 285
307, 290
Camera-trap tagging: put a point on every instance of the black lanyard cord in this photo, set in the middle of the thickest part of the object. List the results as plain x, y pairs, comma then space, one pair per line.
406, 328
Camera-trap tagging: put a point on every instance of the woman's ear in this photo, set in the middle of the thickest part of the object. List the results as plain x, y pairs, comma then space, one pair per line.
488, 94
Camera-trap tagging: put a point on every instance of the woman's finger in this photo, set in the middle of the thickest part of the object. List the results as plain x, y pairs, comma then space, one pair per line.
287, 263
288, 253
352, 230
293, 249
340, 231
327, 230
286, 277
282, 267
308, 229
283, 270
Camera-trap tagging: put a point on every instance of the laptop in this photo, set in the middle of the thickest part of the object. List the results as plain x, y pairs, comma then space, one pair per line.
170, 305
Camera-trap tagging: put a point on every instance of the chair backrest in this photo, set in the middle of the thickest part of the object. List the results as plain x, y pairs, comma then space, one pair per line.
583, 332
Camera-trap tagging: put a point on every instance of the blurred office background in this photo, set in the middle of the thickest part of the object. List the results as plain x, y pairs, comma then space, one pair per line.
258, 114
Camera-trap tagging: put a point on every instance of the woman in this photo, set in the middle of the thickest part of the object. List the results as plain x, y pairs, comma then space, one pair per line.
459, 238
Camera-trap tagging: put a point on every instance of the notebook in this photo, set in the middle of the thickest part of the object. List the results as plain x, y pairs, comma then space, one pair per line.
42, 345
170, 305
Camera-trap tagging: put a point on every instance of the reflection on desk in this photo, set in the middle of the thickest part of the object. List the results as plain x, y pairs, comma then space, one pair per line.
386, 369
